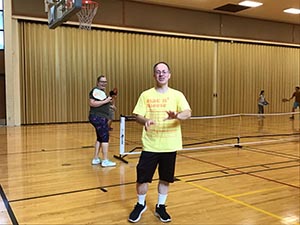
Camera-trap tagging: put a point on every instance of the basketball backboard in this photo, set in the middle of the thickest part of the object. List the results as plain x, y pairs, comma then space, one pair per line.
60, 11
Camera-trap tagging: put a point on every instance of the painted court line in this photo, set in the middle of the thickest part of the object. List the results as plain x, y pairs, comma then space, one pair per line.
247, 173
8, 207
238, 201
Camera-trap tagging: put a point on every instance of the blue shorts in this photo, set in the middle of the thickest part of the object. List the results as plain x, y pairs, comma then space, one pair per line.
148, 163
101, 127
296, 104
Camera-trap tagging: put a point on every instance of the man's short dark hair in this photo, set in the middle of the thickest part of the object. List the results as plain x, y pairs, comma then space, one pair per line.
154, 67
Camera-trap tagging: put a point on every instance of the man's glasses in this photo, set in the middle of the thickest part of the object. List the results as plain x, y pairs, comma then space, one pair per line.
158, 72
103, 82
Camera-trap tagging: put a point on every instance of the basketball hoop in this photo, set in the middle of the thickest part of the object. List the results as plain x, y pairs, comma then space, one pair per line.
87, 14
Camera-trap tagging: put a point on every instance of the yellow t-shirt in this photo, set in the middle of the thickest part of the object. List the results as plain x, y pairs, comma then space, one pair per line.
163, 136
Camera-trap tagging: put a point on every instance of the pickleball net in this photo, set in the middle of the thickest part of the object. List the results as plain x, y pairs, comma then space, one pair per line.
215, 132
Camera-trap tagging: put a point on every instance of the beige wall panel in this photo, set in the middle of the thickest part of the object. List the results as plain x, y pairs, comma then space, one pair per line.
192, 73
246, 69
171, 19
240, 27
123, 13
29, 8
296, 34
61, 66
110, 12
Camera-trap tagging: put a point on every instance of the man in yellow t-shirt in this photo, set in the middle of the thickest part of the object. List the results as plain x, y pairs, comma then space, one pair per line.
159, 110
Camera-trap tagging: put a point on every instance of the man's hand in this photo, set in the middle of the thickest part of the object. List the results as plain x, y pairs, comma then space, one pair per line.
148, 123
183, 115
171, 115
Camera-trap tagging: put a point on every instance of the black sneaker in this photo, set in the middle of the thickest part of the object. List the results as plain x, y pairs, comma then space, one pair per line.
292, 118
162, 214
137, 212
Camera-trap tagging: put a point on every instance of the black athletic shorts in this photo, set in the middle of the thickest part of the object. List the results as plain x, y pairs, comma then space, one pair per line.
148, 163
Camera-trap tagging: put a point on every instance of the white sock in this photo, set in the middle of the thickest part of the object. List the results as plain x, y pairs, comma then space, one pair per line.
141, 199
162, 199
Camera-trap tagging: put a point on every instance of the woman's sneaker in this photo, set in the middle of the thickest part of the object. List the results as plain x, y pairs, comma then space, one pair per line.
107, 163
137, 212
162, 214
96, 161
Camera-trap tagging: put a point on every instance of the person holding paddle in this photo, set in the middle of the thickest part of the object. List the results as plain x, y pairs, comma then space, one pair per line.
262, 102
99, 115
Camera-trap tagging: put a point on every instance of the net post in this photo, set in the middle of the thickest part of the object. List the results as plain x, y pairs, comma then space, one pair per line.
239, 134
122, 140
122, 135
238, 143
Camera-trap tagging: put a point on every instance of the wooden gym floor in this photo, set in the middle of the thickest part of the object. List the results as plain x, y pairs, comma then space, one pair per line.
46, 178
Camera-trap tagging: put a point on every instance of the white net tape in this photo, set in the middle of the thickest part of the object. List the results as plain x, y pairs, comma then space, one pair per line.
213, 132
87, 14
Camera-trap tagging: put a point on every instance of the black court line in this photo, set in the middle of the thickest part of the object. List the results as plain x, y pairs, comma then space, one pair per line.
243, 173
45, 150
102, 188
53, 150
239, 171
269, 152
265, 165
8, 208
240, 167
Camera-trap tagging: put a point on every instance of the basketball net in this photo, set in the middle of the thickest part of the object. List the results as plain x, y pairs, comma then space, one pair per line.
87, 14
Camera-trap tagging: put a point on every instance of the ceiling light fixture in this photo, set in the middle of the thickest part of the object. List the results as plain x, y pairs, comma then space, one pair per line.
292, 11
250, 3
